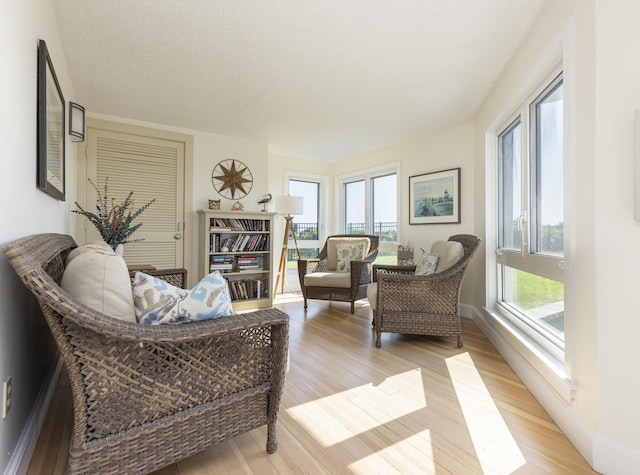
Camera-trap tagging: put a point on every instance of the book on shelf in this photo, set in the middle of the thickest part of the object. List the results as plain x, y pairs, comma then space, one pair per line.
240, 243
238, 224
244, 289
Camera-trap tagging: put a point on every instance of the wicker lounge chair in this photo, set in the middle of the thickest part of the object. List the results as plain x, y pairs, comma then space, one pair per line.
421, 304
147, 396
326, 283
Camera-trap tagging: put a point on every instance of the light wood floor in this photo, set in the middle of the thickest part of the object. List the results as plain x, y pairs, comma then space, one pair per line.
417, 405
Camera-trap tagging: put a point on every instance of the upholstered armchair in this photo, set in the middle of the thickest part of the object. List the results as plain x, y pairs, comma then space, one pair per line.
341, 271
404, 301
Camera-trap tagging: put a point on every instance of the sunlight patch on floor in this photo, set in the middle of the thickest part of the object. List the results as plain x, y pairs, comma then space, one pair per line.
487, 429
411, 455
288, 297
343, 415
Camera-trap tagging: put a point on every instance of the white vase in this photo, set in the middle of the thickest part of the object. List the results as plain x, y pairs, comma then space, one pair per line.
119, 249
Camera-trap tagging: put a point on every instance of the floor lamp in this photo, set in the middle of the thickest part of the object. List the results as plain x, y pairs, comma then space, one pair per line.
287, 206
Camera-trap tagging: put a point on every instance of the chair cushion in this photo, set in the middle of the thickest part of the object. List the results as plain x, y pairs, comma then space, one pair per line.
158, 302
448, 252
347, 253
427, 264
340, 280
332, 249
98, 278
372, 294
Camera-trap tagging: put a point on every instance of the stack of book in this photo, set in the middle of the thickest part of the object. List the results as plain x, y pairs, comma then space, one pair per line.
221, 263
248, 263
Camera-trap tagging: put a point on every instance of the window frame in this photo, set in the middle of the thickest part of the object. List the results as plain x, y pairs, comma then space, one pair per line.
548, 347
367, 175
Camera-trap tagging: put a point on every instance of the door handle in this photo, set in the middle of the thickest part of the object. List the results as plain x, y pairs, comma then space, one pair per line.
178, 236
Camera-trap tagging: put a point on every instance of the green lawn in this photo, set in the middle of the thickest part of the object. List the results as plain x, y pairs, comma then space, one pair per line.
533, 291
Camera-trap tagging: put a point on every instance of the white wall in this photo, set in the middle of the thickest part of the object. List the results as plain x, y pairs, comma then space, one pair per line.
617, 95
26, 348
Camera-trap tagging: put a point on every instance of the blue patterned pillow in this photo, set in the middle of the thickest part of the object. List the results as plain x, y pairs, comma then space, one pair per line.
158, 302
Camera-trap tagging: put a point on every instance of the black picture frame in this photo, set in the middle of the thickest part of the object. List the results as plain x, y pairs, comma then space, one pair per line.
51, 127
434, 198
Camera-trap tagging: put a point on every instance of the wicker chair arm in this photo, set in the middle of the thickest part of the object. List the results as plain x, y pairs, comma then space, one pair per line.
306, 264
369, 258
391, 269
360, 272
176, 277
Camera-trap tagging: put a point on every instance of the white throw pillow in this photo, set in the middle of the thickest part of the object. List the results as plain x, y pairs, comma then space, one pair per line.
167, 304
89, 247
427, 264
346, 254
448, 252
98, 278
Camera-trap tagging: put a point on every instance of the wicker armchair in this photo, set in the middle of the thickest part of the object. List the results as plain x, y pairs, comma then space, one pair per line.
332, 285
147, 396
176, 277
421, 304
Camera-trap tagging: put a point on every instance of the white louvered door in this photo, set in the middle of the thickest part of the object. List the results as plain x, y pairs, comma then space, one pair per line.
151, 168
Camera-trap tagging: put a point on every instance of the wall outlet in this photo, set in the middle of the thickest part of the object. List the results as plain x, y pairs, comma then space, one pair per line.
6, 397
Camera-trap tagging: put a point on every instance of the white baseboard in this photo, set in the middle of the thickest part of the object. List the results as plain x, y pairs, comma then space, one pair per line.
21, 455
610, 457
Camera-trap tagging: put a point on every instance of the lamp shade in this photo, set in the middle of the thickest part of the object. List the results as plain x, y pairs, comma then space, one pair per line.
289, 204
76, 122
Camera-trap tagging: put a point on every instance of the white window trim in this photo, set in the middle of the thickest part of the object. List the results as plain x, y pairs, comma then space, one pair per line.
558, 57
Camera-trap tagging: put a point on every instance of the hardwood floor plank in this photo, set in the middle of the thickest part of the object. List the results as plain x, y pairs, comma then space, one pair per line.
416, 405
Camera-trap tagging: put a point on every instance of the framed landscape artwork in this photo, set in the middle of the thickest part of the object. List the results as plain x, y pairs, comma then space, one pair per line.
50, 127
434, 198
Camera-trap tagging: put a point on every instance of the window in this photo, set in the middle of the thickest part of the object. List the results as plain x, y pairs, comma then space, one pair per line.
529, 255
370, 206
384, 211
354, 207
306, 225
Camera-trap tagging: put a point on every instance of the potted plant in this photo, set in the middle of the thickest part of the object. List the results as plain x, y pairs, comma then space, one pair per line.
113, 220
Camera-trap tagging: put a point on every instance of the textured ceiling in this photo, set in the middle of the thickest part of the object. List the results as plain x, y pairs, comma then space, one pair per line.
321, 79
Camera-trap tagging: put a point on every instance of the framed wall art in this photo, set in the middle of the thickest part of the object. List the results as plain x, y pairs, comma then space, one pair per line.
51, 108
434, 198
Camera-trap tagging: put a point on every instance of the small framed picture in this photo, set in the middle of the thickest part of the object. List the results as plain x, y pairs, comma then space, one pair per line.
214, 204
434, 198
